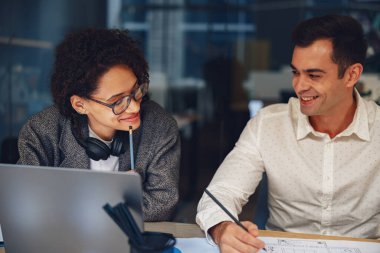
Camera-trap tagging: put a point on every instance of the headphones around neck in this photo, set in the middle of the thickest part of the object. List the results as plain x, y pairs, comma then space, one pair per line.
96, 149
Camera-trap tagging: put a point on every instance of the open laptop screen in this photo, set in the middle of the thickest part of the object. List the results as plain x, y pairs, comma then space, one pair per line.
60, 210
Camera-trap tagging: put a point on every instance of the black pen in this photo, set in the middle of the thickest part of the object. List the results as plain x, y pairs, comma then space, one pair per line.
227, 212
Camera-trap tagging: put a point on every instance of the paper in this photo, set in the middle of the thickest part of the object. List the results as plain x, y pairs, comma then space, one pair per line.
292, 245
195, 245
286, 245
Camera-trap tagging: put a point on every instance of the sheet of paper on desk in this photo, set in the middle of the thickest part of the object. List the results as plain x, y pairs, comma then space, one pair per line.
288, 245
292, 245
195, 245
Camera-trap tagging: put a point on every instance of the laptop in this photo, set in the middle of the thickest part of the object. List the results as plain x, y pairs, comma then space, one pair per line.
60, 210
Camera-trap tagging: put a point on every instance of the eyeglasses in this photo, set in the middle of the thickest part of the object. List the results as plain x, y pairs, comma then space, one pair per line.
122, 104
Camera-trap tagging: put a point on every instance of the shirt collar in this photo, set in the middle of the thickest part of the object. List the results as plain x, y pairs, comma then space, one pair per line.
358, 126
303, 124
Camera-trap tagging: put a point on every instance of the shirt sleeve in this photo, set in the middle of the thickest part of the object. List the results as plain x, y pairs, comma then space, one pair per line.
235, 180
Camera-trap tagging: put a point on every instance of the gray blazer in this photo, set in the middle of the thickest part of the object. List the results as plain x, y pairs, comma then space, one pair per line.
47, 140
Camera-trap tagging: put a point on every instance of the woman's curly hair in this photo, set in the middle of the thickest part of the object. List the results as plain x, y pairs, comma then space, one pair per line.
83, 57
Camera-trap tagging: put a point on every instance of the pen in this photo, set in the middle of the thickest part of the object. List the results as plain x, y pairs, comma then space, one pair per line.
227, 212
131, 148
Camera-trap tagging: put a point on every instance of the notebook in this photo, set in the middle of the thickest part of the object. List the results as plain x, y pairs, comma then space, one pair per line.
46, 209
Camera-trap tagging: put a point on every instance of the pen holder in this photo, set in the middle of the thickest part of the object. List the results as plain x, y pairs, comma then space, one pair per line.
154, 242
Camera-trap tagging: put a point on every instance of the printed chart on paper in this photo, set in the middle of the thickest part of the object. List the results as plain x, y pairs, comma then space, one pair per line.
306, 246
286, 245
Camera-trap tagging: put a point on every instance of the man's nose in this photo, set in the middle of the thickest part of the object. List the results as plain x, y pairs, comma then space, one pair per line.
300, 83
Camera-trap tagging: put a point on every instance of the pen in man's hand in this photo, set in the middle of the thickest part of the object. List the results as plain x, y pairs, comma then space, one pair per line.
227, 212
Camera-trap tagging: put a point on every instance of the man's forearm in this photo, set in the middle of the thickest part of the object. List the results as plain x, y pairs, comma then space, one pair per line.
217, 230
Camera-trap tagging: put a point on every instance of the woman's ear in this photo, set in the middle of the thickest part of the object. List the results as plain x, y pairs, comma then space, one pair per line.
78, 104
353, 74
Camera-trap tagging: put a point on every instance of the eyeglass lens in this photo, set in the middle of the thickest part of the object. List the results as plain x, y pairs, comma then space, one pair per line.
124, 102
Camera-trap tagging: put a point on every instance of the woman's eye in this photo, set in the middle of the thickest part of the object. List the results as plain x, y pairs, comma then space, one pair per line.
118, 102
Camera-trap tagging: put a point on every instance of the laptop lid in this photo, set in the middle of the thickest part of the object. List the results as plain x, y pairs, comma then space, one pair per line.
60, 210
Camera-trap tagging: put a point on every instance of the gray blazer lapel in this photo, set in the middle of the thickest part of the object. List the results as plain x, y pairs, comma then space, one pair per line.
123, 162
74, 156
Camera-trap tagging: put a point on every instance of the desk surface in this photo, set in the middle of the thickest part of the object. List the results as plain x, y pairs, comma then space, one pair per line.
185, 230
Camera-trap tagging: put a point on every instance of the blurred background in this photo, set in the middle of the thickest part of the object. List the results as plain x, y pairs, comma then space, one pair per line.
213, 64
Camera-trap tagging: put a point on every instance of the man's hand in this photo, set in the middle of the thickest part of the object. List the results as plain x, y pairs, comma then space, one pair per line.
232, 238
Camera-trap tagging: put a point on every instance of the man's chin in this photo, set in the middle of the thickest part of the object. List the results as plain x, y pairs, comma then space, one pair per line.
307, 112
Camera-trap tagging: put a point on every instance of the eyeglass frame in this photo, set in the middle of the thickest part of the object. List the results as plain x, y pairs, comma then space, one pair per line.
129, 98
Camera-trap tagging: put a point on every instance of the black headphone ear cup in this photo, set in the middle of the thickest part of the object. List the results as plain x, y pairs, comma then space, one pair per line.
96, 149
118, 145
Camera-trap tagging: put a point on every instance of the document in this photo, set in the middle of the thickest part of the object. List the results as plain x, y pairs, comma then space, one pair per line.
293, 245
286, 245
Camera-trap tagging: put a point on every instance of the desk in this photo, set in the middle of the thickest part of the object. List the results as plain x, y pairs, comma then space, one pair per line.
184, 230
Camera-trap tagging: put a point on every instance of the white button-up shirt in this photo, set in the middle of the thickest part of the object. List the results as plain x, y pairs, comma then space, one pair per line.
315, 184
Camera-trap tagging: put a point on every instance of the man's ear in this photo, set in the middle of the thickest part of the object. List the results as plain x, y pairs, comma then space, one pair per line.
78, 104
353, 74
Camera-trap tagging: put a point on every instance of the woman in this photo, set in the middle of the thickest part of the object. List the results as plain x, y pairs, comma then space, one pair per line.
99, 82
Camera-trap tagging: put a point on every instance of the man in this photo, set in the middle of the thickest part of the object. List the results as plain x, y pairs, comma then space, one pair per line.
320, 151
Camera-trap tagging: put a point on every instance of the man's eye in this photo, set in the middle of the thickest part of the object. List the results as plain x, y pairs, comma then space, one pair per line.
295, 73
314, 76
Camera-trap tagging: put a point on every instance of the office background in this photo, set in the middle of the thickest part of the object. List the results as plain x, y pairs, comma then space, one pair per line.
212, 64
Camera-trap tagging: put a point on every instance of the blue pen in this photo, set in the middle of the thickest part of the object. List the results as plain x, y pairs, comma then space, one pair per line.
131, 148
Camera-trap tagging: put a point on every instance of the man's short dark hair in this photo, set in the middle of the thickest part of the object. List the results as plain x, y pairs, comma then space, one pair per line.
83, 57
345, 33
